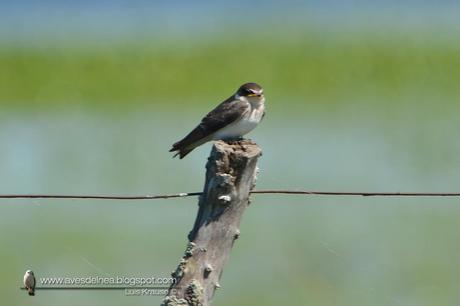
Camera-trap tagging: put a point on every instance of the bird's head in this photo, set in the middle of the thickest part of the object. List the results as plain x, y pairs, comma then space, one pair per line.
30, 272
251, 92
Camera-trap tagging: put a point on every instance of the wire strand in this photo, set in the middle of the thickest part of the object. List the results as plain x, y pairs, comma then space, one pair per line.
190, 194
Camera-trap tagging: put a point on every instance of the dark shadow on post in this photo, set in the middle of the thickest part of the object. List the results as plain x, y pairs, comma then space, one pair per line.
230, 176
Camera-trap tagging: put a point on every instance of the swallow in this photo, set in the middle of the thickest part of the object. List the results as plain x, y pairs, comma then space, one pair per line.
29, 282
230, 120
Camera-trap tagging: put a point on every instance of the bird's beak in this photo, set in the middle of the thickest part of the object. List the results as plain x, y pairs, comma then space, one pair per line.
255, 95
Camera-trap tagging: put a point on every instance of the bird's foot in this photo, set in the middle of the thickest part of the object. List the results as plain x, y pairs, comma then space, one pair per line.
234, 140
239, 141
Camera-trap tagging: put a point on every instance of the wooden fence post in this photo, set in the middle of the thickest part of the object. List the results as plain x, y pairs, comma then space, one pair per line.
230, 176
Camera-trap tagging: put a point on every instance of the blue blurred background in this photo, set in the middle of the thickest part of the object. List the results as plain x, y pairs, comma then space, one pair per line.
361, 96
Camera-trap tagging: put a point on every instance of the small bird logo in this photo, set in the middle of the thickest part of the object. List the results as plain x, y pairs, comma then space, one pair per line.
29, 282
230, 120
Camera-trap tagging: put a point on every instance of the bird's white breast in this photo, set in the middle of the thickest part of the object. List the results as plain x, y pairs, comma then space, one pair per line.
242, 126
29, 280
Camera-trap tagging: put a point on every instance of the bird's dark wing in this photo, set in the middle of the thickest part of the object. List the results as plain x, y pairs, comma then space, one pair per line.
224, 114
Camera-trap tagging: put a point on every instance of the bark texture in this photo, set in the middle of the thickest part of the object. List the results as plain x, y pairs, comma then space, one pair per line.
230, 176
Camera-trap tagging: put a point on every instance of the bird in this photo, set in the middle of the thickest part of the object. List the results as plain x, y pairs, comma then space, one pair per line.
29, 282
230, 120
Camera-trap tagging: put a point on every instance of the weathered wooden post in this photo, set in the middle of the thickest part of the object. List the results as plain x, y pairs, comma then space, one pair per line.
230, 176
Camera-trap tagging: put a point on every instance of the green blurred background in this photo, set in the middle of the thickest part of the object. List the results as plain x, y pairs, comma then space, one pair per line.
361, 96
